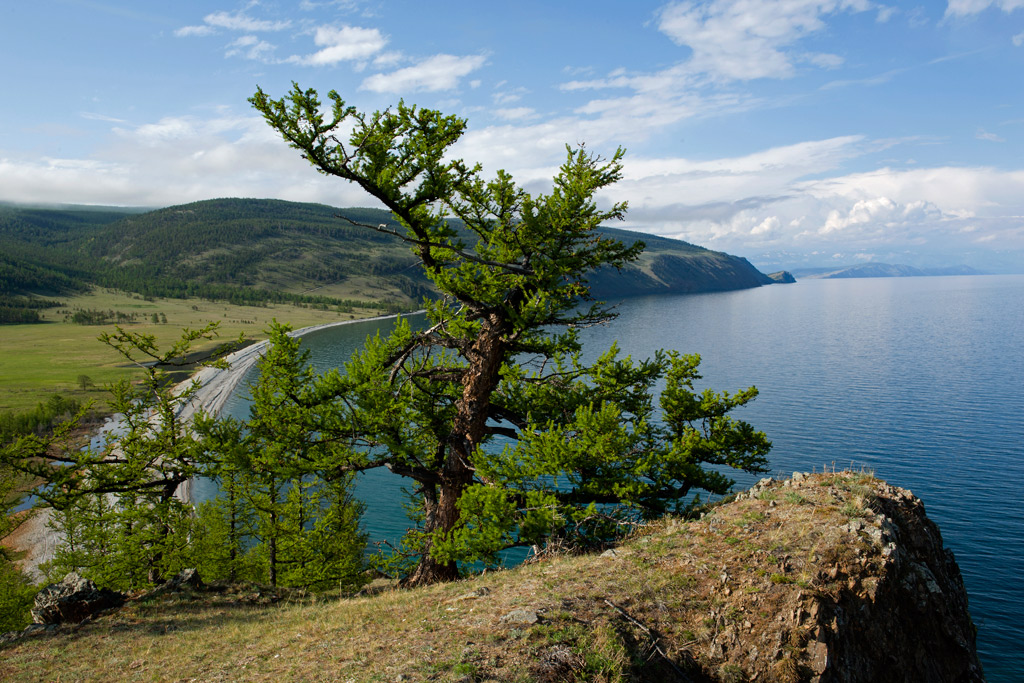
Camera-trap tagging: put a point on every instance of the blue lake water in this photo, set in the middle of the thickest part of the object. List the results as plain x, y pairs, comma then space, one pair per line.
919, 379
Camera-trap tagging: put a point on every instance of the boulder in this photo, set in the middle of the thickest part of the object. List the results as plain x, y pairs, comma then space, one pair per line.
73, 600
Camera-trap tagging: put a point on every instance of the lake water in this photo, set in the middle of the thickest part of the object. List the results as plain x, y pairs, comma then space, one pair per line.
919, 379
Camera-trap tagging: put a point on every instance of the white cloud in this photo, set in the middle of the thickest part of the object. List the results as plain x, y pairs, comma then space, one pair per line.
878, 211
823, 59
241, 22
231, 22
885, 14
747, 39
100, 117
440, 72
387, 59
766, 227
177, 160
963, 8
186, 31
515, 113
250, 47
345, 43
501, 97
1018, 39
983, 134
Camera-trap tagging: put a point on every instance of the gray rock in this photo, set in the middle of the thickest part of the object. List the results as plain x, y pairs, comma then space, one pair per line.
185, 579
73, 600
521, 616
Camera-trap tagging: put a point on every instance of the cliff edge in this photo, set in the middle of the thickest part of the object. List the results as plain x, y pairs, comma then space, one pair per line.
824, 577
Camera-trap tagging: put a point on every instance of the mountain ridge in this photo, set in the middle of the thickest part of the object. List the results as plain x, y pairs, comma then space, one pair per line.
868, 270
252, 249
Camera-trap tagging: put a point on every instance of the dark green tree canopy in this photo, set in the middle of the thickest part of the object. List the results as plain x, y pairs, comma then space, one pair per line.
510, 438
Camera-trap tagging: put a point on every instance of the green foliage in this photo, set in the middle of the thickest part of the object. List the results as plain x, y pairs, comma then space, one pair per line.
584, 452
283, 519
116, 505
39, 420
16, 590
93, 317
119, 508
16, 596
123, 542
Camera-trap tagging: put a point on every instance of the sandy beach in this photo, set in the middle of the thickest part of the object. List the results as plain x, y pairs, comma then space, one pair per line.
216, 385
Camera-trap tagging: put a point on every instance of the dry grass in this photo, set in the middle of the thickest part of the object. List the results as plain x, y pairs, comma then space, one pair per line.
711, 595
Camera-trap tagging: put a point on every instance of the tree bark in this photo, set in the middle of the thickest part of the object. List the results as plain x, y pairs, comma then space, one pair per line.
469, 428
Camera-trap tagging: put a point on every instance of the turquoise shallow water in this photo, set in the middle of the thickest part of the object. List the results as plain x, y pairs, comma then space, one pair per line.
918, 379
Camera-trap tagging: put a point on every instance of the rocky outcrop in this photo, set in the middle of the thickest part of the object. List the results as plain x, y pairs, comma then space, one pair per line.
72, 601
879, 598
782, 277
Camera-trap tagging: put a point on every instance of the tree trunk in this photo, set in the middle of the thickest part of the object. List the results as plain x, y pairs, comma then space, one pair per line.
468, 430
272, 541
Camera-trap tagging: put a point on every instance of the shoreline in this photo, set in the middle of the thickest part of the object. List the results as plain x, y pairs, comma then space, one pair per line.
35, 538
217, 385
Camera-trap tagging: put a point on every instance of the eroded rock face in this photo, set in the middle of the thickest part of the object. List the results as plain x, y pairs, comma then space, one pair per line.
73, 600
880, 598
916, 613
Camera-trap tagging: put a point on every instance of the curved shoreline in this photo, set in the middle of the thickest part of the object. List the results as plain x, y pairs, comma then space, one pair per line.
216, 386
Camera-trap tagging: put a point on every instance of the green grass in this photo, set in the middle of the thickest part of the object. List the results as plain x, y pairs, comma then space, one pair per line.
39, 360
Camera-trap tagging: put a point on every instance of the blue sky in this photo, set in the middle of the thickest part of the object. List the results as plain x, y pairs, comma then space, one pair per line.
792, 132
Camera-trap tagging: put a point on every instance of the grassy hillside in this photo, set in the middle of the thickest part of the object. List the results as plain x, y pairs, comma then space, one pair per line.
748, 592
256, 250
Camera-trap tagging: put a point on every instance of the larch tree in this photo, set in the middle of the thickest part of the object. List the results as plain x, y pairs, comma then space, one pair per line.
118, 505
510, 437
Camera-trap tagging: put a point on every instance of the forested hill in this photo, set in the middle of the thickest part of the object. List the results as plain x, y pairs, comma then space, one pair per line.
251, 250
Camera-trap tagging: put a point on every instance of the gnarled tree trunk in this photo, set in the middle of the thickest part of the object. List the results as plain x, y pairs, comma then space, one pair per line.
468, 430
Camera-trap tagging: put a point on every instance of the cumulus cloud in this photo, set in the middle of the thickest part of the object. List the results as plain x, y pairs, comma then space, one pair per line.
176, 160
748, 39
879, 212
343, 43
762, 203
440, 72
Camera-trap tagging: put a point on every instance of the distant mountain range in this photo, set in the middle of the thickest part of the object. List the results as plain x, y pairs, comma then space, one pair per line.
878, 270
253, 250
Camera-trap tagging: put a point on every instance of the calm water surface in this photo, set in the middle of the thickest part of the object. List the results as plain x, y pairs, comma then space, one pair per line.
918, 379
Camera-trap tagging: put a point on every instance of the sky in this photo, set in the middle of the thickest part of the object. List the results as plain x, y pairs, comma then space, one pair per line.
791, 132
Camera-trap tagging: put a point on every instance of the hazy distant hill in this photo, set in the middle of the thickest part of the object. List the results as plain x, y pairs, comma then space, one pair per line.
249, 250
879, 270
